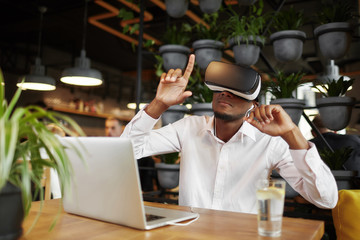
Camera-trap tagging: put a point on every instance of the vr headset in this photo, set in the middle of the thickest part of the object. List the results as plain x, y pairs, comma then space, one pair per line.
241, 81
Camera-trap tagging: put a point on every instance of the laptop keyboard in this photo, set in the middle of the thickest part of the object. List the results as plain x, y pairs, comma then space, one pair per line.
151, 217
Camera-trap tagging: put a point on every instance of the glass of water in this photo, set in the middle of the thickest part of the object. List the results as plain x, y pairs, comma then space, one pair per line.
270, 196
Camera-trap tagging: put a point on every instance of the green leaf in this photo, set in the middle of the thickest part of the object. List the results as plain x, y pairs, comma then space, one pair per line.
23, 136
333, 87
282, 85
134, 28
125, 15
335, 160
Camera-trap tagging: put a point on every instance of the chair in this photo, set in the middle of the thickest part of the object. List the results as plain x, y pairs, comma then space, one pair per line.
45, 182
346, 215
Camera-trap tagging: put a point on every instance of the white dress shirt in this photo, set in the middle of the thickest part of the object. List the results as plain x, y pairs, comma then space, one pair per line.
219, 175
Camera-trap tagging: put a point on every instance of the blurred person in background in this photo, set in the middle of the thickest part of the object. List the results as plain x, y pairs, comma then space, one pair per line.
113, 127
337, 142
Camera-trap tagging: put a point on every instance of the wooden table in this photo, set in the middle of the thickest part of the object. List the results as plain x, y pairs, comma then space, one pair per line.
212, 224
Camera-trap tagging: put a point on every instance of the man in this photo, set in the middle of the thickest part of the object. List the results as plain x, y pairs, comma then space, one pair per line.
113, 127
223, 156
336, 142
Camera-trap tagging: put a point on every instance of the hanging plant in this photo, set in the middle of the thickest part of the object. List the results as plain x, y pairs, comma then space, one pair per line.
334, 88
283, 85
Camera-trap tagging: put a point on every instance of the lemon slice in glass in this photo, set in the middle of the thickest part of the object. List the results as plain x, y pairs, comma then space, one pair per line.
270, 193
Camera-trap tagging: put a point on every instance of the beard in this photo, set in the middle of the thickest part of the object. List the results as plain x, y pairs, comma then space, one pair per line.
228, 117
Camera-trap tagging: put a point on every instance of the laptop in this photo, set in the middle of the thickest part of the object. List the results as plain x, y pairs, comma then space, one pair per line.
105, 185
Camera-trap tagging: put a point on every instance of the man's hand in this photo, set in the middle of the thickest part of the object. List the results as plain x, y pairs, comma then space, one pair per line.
274, 121
171, 89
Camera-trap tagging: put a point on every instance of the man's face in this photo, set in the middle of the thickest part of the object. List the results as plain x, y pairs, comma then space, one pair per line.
229, 107
113, 128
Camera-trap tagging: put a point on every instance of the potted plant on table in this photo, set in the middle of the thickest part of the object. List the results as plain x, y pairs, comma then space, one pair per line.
334, 107
334, 33
288, 39
245, 34
23, 137
208, 47
282, 87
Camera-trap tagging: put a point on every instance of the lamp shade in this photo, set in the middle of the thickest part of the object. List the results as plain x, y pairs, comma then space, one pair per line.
37, 80
82, 74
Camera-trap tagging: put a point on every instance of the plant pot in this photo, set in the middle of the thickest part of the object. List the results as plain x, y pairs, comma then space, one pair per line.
206, 51
209, 6
289, 191
335, 112
11, 212
246, 53
201, 109
344, 178
288, 45
334, 39
168, 175
174, 56
293, 107
176, 8
173, 114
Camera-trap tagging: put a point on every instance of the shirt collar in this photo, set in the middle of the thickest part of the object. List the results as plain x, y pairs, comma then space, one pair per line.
246, 129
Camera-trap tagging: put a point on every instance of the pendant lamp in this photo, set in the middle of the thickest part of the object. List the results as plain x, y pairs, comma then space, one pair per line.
37, 80
82, 74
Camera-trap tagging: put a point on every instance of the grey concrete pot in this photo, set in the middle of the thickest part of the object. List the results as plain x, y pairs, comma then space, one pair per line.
292, 106
176, 8
209, 6
11, 212
201, 109
335, 112
289, 191
246, 54
168, 175
288, 45
344, 178
206, 51
174, 56
173, 114
334, 39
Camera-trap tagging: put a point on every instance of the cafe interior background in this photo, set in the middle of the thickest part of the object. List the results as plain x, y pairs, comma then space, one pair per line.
116, 55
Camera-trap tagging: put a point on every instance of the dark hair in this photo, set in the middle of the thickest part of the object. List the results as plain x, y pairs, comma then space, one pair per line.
114, 119
317, 122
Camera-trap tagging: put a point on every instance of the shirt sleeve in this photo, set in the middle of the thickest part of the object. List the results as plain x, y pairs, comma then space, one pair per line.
148, 142
311, 177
